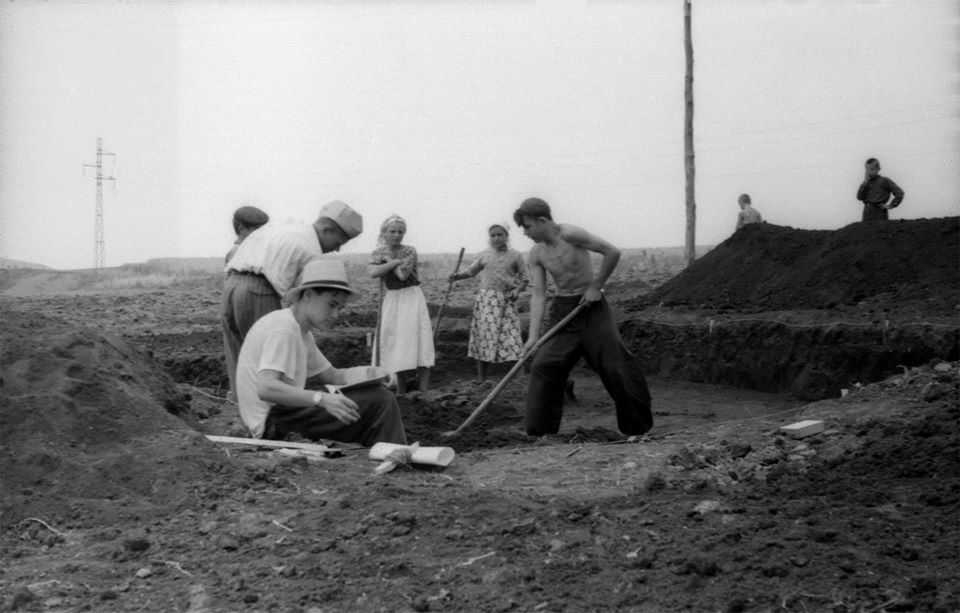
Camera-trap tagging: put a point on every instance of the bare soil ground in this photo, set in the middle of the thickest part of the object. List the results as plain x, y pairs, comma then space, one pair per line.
113, 500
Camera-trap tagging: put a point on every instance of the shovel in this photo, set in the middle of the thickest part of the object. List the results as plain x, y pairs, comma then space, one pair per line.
513, 371
446, 296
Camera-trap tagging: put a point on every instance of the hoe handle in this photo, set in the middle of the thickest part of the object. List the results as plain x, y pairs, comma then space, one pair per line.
506, 379
446, 296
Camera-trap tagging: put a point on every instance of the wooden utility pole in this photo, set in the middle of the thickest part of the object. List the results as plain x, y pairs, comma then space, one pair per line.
691, 239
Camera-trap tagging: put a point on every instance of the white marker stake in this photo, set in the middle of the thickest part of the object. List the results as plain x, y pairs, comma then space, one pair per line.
803, 429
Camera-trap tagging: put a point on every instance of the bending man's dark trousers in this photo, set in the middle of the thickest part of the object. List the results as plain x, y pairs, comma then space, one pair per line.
592, 335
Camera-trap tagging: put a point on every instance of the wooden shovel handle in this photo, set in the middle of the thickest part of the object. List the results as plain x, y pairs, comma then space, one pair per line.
516, 367
446, 296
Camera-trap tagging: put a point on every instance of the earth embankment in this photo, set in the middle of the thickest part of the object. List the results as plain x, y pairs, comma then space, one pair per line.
807, 311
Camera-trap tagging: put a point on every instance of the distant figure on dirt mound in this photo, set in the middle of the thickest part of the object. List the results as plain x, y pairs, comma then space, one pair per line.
563, 250
267, 264
875, 193
747, 214
280, 353
495, 329
246, 219
403, 341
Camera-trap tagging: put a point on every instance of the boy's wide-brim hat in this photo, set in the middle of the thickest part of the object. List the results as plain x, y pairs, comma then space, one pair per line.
322, 273
350, 221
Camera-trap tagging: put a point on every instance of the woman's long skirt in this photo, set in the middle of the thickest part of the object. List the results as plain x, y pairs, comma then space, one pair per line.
495, 329
405, 335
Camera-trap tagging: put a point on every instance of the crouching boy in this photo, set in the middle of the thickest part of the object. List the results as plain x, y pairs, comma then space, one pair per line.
279, 354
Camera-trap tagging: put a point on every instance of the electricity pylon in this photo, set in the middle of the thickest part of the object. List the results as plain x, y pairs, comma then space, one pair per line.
98, 255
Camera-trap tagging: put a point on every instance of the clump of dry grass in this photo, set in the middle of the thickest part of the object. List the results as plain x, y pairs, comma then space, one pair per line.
152, 275
149, 281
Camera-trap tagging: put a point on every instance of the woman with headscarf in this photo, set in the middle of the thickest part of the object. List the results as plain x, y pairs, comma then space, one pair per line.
404, 338
495, 329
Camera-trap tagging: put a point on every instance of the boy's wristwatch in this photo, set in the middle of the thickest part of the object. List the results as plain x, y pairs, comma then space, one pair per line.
318, 399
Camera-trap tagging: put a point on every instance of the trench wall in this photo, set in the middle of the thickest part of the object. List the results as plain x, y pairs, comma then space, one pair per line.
199, 360
812, 362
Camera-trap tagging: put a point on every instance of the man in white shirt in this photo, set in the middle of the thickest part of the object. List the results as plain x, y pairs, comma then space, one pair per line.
267, 264
280, 354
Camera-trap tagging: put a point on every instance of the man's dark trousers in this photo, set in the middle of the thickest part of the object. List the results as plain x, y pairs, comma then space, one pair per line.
592, 335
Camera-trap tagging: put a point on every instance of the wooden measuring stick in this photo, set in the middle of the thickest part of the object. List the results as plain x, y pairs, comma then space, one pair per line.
259, 442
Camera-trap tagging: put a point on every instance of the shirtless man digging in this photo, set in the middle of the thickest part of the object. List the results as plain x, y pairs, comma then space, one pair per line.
563, 250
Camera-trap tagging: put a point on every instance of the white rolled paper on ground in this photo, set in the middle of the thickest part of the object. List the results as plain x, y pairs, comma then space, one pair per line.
435, 456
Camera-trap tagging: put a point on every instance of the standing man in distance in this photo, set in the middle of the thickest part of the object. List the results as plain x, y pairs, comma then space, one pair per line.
875, 192
267, 264
563, 251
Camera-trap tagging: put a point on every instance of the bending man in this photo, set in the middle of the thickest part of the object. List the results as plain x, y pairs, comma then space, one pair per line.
267, 264
563, 251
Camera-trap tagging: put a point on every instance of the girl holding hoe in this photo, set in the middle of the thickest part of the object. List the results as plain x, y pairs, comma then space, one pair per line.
495, 328
404, 338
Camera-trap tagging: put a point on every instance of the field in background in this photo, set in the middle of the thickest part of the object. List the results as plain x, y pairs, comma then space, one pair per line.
434, 267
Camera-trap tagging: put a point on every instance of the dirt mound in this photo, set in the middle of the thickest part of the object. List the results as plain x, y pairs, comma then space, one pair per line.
714, 510
811, 312
736, 517
86, 422
764, 267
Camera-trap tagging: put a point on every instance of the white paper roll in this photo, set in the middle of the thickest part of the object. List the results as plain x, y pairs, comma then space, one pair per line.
435, 456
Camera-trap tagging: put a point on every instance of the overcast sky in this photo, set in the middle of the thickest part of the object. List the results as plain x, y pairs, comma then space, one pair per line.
451, 113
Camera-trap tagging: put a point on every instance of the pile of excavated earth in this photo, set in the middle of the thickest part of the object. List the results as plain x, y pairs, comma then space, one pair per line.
112, 498
811, 312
